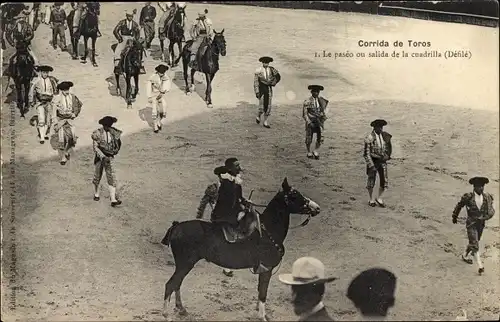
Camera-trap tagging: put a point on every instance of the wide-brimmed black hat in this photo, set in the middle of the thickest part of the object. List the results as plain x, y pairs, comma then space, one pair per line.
266, 59
45, 68
220, 170
378, 122
64, 86
161, 68
479, 181
372, 286
108, 120
315, 88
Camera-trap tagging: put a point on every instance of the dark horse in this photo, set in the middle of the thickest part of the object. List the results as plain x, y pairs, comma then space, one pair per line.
130, 65
22, 73
7, 13
88, 28
209, 63
194, 240
175, 35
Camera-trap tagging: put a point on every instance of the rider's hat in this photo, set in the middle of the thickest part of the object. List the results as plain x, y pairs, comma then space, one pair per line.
378, 123
108, 120
130, 12
479, 181
266, 59
64, 86
203, 13
315, 88
161, 68
45, 68
305, 271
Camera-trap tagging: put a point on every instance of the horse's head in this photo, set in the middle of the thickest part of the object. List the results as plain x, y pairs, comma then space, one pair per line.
134, 54
220, 42
297, 203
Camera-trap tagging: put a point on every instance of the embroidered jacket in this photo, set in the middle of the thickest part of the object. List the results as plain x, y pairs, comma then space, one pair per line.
316, 114
21, 32
230, 197
201, 27
64, 106
121, 29
57, 15
105, 145
43, 89
473, 212
157, 85
373, 152
148, 14
210, 196
264, 81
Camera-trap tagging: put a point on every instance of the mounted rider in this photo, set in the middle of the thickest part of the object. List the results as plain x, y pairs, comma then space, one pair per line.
81, 11
231, 207
211, 192
201, 33
41, 93
20, 36
126, 32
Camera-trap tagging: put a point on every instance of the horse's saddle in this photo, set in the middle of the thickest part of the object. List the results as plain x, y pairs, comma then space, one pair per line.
246, 227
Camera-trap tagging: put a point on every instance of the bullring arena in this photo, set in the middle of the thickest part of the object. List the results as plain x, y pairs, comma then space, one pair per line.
67, 257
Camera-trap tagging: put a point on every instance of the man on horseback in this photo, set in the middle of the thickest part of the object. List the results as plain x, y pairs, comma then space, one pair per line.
20, 36
41, 93
126, 32
81, 12
211, 193
66, 107
201, 32
59, 25
167, 8
158, 85
147, 22
232, 207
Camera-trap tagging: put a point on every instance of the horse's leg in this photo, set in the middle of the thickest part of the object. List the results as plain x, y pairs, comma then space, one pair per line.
161, 47
118, 89
185, 72
128, 90
20, 96
174, 284
208, 91
264, 279
94, 63
26, 96
179, 44
171, 54
193, 71
136, 86
86, 50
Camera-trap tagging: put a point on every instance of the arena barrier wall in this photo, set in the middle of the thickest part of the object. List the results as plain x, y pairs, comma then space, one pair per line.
475, 12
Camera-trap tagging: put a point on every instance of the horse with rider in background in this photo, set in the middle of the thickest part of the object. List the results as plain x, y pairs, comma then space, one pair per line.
84, 21
173, 30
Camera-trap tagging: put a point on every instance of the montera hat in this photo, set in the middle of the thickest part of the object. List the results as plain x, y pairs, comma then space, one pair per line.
108, 120
305, 271
130, 12
372, 286
479, 181
45, 68
220, 170
378, 122
230, 162
315, 88
203, 13
64, 86
266, 59
161, 68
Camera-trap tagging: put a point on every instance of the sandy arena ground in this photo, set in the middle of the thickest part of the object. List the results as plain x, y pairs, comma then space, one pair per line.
77, 259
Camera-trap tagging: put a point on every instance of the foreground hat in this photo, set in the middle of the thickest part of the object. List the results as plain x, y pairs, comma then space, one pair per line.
378, 122
372, 286
230, 161
108, 120
161, 68
315, 88
64, 86
266, 59
45, 68
220, 170
479, 181
306, 270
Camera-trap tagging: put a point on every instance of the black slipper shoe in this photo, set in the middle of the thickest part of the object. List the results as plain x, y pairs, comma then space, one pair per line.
467, 260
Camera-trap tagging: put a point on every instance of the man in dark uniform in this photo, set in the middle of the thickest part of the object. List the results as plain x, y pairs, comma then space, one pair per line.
265, 78
59, 25
314, 113
147, 22
377, 151
372, 292
479, 205
126, 29
308, 287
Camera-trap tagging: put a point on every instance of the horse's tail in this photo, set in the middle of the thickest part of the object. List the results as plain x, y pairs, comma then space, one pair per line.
166, 240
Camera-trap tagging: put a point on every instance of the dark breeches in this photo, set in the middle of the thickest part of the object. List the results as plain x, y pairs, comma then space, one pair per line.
310, 130
474, 233
381, 169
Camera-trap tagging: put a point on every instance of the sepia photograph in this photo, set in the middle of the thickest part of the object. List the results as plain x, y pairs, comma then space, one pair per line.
250, 161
